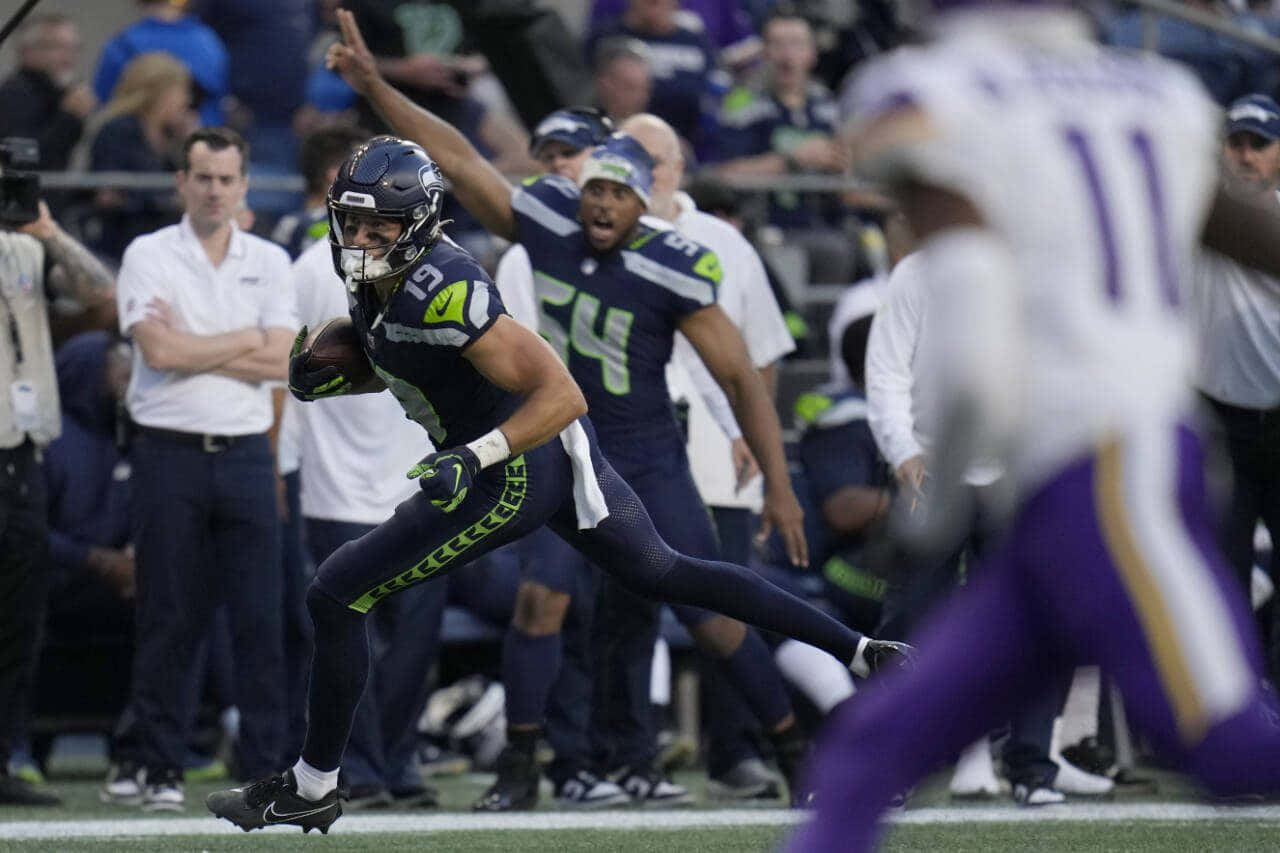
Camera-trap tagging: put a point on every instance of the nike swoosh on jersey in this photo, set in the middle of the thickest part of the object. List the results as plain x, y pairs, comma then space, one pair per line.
270, 815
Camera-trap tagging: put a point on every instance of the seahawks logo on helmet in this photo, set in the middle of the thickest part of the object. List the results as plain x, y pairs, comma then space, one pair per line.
391, 179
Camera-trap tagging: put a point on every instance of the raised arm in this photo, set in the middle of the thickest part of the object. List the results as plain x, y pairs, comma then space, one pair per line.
721, 348
477, 184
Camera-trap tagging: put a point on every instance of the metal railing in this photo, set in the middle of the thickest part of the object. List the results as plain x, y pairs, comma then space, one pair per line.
1153, 9
293, 183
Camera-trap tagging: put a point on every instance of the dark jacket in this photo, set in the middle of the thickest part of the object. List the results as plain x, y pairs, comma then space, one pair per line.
87, 475
32, 107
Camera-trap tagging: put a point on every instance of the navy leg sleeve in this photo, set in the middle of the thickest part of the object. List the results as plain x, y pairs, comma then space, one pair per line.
627, 546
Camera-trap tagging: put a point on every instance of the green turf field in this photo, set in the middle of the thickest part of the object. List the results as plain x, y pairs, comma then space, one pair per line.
1171, 820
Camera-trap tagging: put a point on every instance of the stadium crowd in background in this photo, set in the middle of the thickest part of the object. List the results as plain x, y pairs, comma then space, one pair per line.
193, 495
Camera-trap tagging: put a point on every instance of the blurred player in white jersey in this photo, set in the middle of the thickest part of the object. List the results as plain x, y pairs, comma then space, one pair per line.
1059, 190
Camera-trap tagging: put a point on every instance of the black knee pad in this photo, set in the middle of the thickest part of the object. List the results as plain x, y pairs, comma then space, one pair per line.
326, 610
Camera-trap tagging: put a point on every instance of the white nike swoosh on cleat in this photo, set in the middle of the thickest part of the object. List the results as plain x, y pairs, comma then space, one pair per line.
270, 815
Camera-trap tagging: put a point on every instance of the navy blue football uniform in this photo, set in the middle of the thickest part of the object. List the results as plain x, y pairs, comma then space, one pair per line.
613, 317
416, 345
837, 450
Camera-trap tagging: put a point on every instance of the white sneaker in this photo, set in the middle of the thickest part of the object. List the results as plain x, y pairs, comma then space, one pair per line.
164, 795
586, 790
124, 785
1024, 795
650, 789
975, 775
1071, 779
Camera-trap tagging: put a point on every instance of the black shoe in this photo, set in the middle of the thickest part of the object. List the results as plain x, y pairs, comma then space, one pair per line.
275, 800
361, 797
20, 792
792, 754
516, 788
747, 780
418, 797
887, 654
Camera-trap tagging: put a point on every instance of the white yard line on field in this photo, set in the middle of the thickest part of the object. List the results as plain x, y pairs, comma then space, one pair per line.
150, 827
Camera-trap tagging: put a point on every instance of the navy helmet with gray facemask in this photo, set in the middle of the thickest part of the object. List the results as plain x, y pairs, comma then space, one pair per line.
389, 178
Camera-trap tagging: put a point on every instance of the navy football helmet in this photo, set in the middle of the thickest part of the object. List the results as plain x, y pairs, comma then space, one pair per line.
388, 178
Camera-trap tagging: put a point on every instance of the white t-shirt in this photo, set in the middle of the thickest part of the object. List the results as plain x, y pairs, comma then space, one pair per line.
898, 397
745, 296
1237, 316
354, 450
514, 279
251, 287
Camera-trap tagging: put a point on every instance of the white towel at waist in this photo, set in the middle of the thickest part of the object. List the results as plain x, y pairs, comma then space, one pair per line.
588, 500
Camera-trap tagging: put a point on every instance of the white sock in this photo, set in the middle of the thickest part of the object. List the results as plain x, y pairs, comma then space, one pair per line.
819, 676
314, 784
859, 663
1080, 711
660, 674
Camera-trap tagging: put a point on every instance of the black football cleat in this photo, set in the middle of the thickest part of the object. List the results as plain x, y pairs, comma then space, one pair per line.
275, 800
887, 655
516, 788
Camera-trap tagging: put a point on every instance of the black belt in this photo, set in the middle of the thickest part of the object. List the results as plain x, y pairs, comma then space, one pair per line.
206, 442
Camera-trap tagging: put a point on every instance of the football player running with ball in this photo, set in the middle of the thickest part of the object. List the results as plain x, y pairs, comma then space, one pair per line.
495, 396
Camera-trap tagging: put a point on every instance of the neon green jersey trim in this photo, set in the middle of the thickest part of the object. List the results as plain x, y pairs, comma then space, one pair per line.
506, 508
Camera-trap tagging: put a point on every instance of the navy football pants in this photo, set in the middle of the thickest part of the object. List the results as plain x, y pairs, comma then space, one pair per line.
506, 502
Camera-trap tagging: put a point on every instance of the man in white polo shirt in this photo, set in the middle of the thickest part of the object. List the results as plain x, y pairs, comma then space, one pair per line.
212, 312
1237, 314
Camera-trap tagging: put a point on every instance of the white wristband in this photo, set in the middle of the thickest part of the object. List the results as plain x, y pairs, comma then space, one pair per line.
490, 448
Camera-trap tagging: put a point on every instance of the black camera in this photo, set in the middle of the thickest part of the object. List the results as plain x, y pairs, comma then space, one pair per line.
19, 190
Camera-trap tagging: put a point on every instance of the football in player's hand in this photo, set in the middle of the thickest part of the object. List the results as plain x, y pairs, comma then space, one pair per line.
337, 343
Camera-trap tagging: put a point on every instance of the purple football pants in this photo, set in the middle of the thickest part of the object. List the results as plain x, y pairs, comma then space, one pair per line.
1112, 562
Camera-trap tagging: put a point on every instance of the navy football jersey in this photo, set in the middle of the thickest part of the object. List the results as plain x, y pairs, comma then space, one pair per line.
612, 317
445, 303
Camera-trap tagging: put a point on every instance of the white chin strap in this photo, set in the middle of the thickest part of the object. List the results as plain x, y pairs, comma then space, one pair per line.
358, 266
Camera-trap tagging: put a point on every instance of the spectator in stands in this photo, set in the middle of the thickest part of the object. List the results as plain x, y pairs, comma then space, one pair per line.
1227, 68
788, 126
727, 25
1237, 311
166, 26
624, 78
681, 60
212, 313
712, 195
42, 99
322, 152
354, 452
139, 130
267, 56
